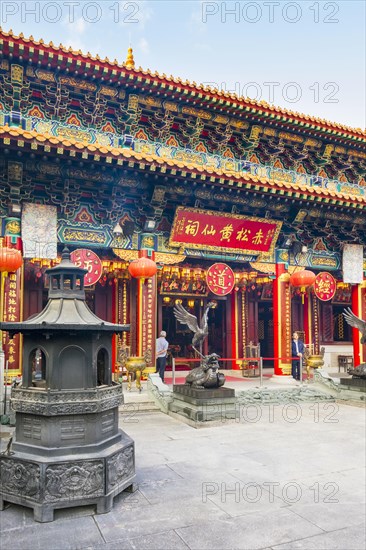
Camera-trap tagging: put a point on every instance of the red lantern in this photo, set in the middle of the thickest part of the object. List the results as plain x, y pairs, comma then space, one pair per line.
142, 268
302, 279
10, 259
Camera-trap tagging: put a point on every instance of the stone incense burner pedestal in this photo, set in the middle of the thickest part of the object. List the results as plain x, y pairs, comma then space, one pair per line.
68, 449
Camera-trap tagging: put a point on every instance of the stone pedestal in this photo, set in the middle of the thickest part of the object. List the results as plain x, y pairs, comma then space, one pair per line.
2, 386
61, 482
68, 451
203, 405
356, 384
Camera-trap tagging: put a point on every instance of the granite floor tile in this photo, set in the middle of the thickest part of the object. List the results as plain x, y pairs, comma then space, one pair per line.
127, 525
352, 538
330, 516
15, 517
116, 545
181, 503
248, 532
160, 541
73, 534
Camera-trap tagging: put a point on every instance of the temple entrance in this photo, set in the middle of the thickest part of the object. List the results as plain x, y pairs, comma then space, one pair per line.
217, 330
265, 332
180, 336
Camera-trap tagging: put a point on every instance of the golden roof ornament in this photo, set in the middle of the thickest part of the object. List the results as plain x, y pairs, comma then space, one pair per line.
130, 62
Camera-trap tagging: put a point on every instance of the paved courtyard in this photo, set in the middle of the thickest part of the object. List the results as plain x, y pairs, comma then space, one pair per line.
283, 477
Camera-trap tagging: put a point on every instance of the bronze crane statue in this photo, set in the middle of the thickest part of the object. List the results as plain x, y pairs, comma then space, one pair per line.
356, 322
200, 332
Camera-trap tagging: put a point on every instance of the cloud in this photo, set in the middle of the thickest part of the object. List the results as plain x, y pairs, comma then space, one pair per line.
134, 13
144, 45
79, 25
74, 31
196, 24
203, 47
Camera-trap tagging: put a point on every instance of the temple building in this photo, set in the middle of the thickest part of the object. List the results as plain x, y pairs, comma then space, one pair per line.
230, 197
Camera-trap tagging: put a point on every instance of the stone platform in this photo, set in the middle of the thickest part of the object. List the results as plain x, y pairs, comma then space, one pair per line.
357, 384
202, 405
49, 483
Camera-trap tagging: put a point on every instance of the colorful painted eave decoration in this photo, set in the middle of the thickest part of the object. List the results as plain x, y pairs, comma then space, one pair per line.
76, 60
62, 146
208, 230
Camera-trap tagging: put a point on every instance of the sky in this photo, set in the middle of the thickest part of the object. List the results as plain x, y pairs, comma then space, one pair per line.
305, 56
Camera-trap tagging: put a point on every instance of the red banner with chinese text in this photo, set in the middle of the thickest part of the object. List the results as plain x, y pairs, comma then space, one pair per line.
12, 313
148, 314
218, 231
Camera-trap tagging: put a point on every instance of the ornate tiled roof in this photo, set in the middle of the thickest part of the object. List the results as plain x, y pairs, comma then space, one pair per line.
7, 133
112, 68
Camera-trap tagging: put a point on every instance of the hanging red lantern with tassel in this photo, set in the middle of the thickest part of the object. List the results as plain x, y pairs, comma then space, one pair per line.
10, 259
302, 279
142, 268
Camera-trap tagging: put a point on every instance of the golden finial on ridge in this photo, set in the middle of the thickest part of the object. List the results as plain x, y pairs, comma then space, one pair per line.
130, 62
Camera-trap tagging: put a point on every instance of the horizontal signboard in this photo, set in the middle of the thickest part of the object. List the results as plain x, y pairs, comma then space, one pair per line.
225, 232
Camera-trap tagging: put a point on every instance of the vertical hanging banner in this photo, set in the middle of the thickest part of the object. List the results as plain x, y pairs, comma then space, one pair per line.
12, 313
148, 313
352, 263
39, 231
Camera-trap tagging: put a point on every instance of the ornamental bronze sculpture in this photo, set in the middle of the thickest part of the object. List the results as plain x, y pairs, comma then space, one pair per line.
360, 324
356, 322
206, 376
68, 449
200, 331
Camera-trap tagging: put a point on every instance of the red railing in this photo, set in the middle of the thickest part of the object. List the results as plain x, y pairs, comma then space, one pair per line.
259, 360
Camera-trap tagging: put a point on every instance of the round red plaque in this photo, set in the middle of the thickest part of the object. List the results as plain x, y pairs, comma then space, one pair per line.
87, 259
220, 279
324, 286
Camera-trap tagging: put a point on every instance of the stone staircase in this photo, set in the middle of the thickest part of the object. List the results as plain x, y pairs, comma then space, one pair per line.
136, 402
137, 408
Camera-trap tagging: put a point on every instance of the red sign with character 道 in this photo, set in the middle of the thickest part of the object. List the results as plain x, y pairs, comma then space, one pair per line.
216, 230
325, 286
87, 259
220, 279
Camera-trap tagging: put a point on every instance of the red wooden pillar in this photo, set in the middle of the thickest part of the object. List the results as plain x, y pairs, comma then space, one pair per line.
114, 320
11, 306
363, 315
243, 323
234, 322
12, 309
307, 319
281, 321
359, 309
146, 313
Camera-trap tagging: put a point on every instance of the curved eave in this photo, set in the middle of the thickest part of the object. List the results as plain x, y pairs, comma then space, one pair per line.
15, 328
120, 156
44, 54
57, 314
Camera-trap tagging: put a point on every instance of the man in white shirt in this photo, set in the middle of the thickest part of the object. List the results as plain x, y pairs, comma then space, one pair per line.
161, 353
297, 350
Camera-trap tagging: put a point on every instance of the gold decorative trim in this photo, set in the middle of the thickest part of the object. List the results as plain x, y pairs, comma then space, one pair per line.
230, 217
129, 155
160, 257
196, 89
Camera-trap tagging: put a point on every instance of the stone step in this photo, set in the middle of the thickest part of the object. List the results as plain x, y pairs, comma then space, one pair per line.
138, 407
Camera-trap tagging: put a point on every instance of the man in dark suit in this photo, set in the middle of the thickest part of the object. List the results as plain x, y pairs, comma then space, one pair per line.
297, 350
